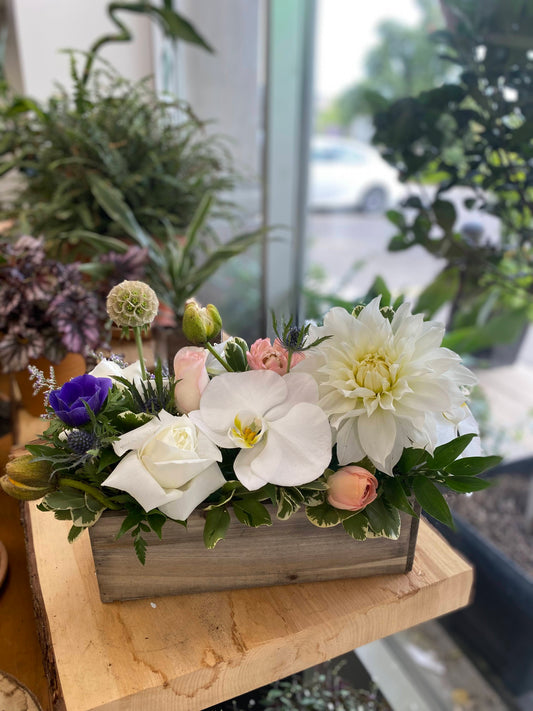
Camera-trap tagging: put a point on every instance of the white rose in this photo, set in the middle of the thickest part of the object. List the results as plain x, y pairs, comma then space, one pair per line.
109, 369
171, 465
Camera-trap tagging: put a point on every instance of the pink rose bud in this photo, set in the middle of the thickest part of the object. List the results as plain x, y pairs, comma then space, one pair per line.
352, 488
192, 377
265, 356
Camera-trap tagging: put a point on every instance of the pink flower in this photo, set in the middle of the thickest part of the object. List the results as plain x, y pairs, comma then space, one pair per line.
352, 488
192, 377
265, 356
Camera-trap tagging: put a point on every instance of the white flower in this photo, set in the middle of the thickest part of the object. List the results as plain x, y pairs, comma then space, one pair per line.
386, 385
465, 423
283, 435
109, 369
213, 366
172, 466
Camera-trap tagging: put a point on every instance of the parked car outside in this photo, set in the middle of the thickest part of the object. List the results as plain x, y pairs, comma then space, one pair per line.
349, 174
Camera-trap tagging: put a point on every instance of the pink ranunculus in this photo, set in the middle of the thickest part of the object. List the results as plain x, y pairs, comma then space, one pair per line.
265, 356
192, 377
352, 488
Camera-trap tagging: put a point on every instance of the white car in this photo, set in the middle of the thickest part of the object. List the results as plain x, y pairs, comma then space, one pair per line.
348, 174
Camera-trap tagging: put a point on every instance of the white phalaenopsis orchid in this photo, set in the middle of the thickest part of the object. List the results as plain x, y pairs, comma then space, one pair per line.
386, 385
283, 435
171, 466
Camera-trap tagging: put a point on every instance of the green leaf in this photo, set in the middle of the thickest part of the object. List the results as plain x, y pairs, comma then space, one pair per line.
67, 498
356, 526
41, 450
177, 27
445, 214
196, 225
156, 520
384, 519
395, 494
466, 484
323, 516
441, 290
447, 453
84, 517
378, 288
411, 458
216, 524
92, 504
252, 512
397, 218
62, 515
470, 466
317, 485
131, 520
112, 202
431, 500
235, 353
219, 256
106, 458
504, 328
132, 420
74, 533
287, 504
140, 546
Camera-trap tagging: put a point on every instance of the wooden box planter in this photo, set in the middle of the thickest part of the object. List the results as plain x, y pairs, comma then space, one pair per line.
289, 551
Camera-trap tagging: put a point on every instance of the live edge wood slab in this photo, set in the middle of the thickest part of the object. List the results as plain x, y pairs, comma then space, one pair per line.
189, 652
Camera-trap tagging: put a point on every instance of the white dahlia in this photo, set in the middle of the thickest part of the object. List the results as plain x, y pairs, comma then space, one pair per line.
386, 385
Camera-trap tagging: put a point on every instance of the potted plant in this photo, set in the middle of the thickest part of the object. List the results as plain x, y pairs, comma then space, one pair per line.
47, 315
110, 164
323, 688
284, 437
473, 134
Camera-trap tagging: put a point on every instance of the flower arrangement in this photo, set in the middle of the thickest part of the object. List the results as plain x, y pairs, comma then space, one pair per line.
45, 309
352, 420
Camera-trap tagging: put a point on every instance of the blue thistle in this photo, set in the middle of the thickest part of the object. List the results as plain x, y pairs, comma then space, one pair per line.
80, 441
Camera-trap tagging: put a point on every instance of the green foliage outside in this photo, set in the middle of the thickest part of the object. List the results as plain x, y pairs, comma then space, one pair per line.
476, 134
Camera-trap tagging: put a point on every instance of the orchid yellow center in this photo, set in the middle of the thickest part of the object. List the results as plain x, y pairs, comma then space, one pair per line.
375, 372
248, 429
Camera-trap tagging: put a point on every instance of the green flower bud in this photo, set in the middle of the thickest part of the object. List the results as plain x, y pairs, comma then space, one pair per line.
132, 304
26, 479
201, 324
235, 353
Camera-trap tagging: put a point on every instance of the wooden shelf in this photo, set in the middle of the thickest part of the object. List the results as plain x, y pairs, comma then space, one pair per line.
190, 652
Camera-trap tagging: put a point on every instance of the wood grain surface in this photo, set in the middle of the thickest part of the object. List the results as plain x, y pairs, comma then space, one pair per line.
286, 552
189, 652
14, 696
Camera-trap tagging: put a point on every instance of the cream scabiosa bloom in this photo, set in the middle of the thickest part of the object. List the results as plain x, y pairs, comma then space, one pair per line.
283, 435
386, 385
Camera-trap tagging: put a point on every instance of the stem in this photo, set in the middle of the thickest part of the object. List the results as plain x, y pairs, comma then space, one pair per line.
88, 489
289, 358
220, 360
139, 344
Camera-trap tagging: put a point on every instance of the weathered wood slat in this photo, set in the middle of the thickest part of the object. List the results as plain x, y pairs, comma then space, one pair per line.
287, 552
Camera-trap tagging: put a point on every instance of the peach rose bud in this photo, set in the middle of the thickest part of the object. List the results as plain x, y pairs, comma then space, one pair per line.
265, 356
352, 488
192, 377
